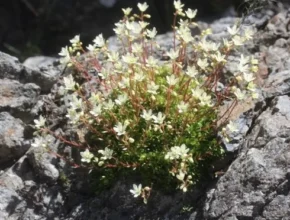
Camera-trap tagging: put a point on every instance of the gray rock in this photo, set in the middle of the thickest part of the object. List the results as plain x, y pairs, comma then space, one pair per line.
42, 71
277, 84
39, 62
11, 138
219, 29
276, 27
12, 181
43, 164
18, 99
18, 176
246, 189
260, 18
38, 70
30, 214
10, 67
236, 138
277, 59
11, 204
278, 208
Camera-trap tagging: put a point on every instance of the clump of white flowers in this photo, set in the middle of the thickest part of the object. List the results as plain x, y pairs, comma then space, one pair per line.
144, 114
180, 156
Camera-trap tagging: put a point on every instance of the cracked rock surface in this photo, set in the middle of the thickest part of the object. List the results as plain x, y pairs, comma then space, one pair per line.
259, 178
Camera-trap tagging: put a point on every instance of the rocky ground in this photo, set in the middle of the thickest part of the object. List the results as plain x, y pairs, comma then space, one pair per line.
37, 185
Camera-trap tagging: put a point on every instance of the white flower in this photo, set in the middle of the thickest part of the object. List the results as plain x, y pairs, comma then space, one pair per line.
238, 41
124, 83
159, 118
120, 28
254, 69
109, 105
191, 13
227, 44
131, 140
204, 44
208, 46
147, 115
75, 102
120, 128
142, 7
74, 116
171, 80
255, 95
143, 24
202, 63
219, 57
91, 47
183, 187
172, 54
40, 122
177, 5
248, 77
137, 48
244, 60
127, 11
201, 95
151, 33
139, 77
180, 175
39, 142
234, 30
95, 98
129, 58
197, 92
69, 83
87, 156
99, 41
121, 99
185, 34
182, 107
76, 40
134, 29
191, 71
97, 110
183, 23
152, 88
254, 61
249, 33
183, 150
151, 62
43, 141
107, 154
241, 95
177, 152
205, 99
232, 127
214, 46
243, 68
113, 56
251, 87
207, 31
137, 190
64, 53
130, 25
